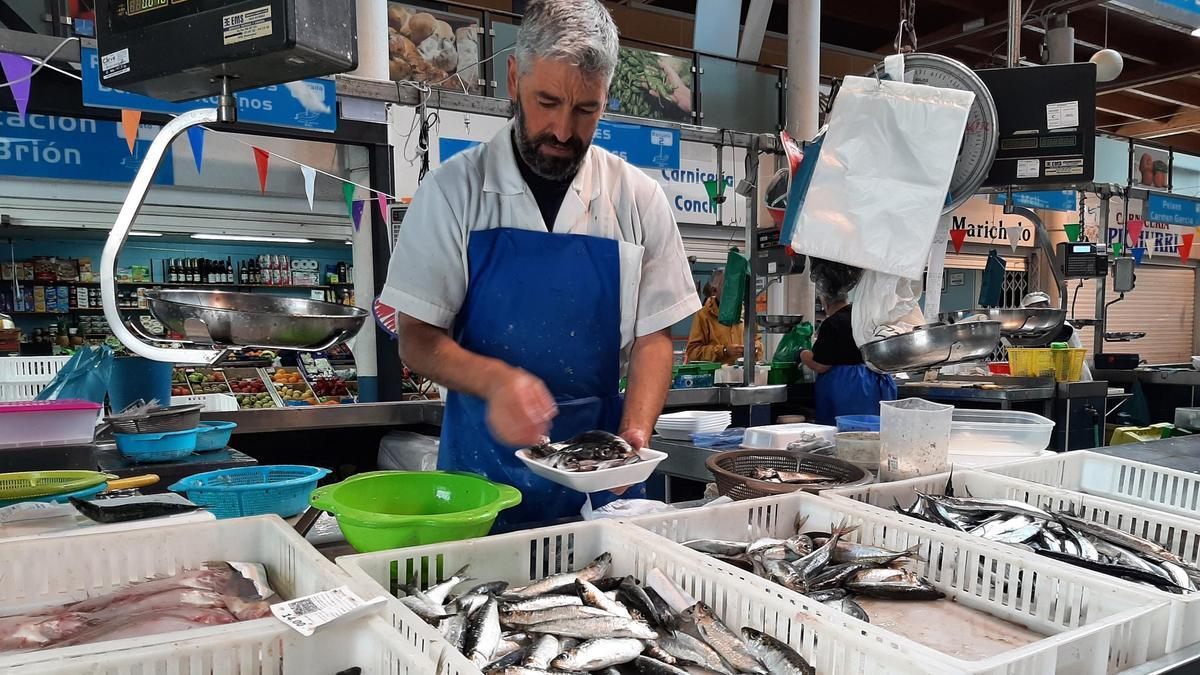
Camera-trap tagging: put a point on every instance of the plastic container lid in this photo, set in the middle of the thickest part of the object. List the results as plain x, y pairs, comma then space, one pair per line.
60, 405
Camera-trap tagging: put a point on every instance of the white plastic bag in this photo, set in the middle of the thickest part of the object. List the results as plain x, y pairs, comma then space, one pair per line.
882, 176
407, 451
884, 305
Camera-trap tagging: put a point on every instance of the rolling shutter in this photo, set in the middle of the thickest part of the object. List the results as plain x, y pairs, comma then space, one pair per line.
1162, 304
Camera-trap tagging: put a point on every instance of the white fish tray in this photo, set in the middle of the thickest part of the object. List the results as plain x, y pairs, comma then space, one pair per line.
602, 479
1117, 478
523, 557
1175, 533
51, 571
264, 647
1092, 625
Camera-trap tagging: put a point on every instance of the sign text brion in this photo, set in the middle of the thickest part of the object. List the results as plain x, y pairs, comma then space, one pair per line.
70, 148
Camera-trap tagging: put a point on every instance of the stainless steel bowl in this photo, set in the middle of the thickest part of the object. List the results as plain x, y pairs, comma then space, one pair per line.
932, 346
779, 323
1015, 322
255, 320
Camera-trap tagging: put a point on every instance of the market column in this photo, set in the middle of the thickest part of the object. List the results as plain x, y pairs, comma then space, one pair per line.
803, 107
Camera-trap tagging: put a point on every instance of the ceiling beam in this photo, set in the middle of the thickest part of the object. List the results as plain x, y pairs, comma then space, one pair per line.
991, 24
1185, 142
1128, 105
1182, 123
1146, 75
1179, 92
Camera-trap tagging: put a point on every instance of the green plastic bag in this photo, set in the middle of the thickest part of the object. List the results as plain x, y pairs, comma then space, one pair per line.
797, 340
734, 288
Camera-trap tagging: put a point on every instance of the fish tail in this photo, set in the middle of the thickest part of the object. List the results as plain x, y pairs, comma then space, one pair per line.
912, 553
801, 519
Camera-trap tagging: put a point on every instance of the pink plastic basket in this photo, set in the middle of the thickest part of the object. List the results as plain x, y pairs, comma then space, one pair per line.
37, 423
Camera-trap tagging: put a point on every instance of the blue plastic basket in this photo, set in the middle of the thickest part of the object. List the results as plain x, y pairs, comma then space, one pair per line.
857, 423
282, 489
157, 447
214, 435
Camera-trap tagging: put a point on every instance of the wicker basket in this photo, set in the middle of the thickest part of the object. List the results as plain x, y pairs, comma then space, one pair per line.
161, 420
732, 470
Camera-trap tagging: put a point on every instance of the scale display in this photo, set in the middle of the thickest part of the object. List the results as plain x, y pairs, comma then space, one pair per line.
1082, 261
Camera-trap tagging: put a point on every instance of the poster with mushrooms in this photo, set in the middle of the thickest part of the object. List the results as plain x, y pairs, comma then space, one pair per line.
1151, 167
431, 47
652, 84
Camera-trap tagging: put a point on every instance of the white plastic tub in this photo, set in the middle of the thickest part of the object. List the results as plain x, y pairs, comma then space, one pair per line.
1175, 533
63, 422
777, 436
998, 432
266, 647
53, 571
1123, 480
211, 402
1091, 625
523, 557
602, 479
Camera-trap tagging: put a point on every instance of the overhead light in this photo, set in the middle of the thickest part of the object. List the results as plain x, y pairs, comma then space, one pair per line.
240, 237
349, 243
1109, 64
145, 234
1196, 33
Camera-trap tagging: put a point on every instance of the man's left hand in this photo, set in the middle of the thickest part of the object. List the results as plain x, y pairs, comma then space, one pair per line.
636, 438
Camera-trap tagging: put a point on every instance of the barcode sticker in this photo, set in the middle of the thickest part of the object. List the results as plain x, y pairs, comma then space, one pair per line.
309, 613
893, 463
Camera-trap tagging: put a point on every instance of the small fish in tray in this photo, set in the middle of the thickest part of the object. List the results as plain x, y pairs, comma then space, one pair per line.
782, 476
589, 451
826, 567
588, 621
1060, 535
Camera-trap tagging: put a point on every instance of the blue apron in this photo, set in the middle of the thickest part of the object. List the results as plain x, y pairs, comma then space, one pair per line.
549, 304
851, 390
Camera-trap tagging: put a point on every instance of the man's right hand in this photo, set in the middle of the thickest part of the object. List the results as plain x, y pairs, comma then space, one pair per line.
736, 351
519, 409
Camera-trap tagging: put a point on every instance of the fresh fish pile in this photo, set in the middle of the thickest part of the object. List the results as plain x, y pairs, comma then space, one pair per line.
589, 451
590, 622
792, 477
1059, 535
825, 567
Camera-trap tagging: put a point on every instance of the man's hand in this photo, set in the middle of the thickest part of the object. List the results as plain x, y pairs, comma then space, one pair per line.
519, 409
736, 351
637, 439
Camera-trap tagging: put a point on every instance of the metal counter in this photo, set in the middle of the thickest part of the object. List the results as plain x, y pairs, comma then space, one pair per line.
726, 396
299, 418
684, 459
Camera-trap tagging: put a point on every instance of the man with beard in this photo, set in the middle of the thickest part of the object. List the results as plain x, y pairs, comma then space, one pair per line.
533, 270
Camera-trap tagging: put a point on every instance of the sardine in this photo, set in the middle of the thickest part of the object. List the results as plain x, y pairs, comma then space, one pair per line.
471, 602
598, 653
892, 583
849, 607
690, 650
486, 588
570, 612
717, 547
440, 592
778, 657
647, 666
851, 552
596, 627
1117, 570
425, 609
972, 504
483, 634
454, 628
782, 476
636, 597
835, 576
524, 670
564, 582
504, 658
824, 596
594, 597
542, 652
724, 641
809, 565
543, 602
1137, 544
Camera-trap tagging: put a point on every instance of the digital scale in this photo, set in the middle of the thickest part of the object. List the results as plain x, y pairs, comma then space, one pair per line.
178, 50
1082, 260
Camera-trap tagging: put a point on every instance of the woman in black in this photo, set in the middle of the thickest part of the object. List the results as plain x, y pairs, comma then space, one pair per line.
845, 386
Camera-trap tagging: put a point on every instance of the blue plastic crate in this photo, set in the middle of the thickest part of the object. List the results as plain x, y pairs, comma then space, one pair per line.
163, 446
214, 435
282, 489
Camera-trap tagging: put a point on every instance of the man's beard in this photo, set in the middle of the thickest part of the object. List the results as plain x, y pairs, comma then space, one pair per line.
552, 168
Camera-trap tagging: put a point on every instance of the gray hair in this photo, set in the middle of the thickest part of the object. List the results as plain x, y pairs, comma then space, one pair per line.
579, 32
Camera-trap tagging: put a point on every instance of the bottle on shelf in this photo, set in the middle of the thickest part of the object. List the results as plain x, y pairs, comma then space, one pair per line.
341, 271
285, 271
229, 270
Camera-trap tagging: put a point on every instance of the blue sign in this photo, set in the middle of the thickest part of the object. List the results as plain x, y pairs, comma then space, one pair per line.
449, 147
1186, 5
1173, 210
307, 104
640, 145
70, 148
1053, 200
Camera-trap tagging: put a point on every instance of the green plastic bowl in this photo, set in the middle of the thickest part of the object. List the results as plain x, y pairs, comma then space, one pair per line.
383, 510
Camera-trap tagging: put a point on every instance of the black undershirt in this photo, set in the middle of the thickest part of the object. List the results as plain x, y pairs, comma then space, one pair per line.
548, 193
835, 345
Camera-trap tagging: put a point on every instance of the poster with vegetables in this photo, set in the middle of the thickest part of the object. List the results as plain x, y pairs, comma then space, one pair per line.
430, 46
1151, 167
652, 84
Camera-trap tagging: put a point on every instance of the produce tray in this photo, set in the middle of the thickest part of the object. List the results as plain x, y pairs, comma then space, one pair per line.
270, 375
1123, 480
256, 374
523, 557
1175, 533
52, 571
1091, 625
214, 380
267, 647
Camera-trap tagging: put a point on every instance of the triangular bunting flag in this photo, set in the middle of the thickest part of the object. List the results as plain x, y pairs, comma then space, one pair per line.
348, 193
261, 158
381, 199
356, 213
17, 69
1116, 249
1138, 252
196, 140
310, 182
1134, 226
957, 237
1185, 246
129, 122
1014, 237
1072, 230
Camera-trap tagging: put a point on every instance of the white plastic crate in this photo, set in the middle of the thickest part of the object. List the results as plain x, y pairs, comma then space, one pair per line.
54, 571
211, 402
523, 557
265, 647
1175, 533
23, 377
1091, 625
1124, 480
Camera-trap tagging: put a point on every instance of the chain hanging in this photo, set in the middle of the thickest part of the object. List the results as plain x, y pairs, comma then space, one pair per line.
907, 28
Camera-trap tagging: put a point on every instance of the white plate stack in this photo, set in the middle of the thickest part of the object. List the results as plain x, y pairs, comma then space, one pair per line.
681, 425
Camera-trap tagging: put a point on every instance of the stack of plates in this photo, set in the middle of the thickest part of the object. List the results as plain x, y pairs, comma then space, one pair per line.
681, 425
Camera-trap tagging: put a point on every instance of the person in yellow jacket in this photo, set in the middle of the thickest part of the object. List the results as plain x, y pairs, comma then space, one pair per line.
712, 341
